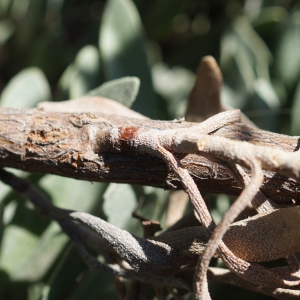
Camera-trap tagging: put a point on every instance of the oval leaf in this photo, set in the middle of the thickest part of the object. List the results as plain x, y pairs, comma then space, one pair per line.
267, 236
26, 89
119, 203
123, 50
123, 90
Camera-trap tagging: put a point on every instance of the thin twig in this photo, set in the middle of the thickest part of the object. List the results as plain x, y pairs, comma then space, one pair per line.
189, 186
200, 280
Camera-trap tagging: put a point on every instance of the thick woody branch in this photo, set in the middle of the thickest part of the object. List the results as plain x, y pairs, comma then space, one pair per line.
95, 147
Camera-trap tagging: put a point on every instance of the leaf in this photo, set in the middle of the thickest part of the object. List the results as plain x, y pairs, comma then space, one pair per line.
63, 275
266, 92
4, 190
87, 65
254, 44
267, 236
265, 101
123, 51
43, 255
26, 89
174, 85
244, 58
9, 210
237, 66
65, 82
222, 205
164, 13
35, 290
28, 242
17, 245
152, 203
229, 97
119, 203
73, 194
82, 75
123, 90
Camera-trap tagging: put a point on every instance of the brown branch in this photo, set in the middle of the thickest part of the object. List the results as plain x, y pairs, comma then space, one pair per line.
78, 145
200, 280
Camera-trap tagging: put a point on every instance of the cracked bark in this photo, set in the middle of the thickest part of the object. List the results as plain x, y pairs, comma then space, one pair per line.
79, 145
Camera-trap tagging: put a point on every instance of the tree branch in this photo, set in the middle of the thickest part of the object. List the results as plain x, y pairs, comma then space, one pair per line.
79, 145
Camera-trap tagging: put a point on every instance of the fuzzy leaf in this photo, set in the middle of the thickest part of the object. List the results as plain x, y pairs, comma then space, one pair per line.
123, 90
267, 236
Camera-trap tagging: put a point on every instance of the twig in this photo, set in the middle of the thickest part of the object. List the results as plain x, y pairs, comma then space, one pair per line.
189, 186
287, 164
143, 255
200, 281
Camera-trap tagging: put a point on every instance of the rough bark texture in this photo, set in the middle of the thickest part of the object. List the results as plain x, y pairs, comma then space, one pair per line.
77, 145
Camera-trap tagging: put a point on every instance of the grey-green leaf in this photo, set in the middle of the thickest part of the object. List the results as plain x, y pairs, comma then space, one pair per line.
82, 75
87, 64
119, 203
26, 89
123, 90
22, 248
123, 51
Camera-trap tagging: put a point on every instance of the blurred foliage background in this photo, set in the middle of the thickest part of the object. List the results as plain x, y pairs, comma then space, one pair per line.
61, 49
